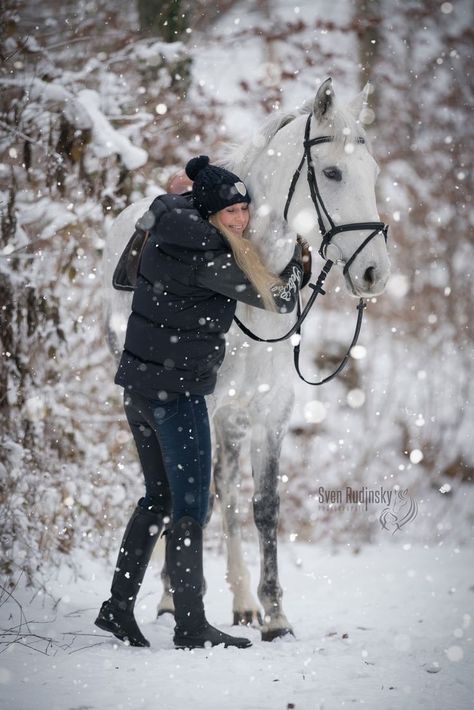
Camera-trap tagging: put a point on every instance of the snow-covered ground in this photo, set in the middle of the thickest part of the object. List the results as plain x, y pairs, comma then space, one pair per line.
390, 627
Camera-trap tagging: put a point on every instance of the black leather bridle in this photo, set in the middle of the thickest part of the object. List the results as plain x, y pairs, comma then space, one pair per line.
327, 235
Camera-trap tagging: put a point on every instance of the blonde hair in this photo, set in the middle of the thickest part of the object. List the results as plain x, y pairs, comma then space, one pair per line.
248, 259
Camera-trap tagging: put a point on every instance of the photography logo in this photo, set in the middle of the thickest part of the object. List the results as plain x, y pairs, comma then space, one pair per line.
399, 507
401, 510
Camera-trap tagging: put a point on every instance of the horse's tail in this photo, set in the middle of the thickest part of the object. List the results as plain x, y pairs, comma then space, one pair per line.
112, 338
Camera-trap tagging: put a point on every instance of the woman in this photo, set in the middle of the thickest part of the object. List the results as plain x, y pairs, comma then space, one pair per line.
189, 281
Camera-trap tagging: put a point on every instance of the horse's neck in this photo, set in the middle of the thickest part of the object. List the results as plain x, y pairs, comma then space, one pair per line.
268, 177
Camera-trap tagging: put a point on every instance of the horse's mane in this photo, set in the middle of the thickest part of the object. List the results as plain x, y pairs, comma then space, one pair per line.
238, 157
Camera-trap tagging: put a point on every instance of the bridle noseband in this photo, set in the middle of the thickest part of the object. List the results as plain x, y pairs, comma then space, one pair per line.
327, 236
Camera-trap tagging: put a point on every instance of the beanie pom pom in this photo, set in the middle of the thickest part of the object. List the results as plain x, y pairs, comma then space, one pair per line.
195, 165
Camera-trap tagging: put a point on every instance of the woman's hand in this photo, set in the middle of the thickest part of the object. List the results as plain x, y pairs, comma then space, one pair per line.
306, 253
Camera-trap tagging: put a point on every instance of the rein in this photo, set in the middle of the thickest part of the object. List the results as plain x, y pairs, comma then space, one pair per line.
327, 235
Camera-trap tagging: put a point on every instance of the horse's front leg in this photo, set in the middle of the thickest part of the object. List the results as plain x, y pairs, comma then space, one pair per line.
265, 451
230, 426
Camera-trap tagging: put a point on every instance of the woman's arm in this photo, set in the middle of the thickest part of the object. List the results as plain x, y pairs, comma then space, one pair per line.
224, 276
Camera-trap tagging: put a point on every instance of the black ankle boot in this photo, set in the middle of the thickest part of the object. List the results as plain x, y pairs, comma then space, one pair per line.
184, 562
116, 614
120, 623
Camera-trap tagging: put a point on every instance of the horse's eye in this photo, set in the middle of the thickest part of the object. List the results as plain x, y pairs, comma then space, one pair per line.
333, 174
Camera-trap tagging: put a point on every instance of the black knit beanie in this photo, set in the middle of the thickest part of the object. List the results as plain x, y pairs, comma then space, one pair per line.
214, 188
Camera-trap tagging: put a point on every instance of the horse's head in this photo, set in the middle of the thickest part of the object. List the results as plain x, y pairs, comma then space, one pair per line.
343, 194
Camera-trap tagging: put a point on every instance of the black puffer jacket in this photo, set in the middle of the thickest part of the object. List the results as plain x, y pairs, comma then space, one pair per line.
184, 301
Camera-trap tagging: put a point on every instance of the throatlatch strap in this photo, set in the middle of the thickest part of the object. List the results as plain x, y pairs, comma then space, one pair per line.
293, 187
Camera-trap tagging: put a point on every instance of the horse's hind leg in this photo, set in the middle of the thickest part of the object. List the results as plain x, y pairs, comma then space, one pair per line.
166, 603
265, 451
230, 426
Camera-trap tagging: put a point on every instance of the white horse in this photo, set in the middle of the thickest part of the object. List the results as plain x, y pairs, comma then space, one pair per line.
254, 392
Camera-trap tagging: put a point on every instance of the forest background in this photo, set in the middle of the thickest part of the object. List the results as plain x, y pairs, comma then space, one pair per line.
101, 102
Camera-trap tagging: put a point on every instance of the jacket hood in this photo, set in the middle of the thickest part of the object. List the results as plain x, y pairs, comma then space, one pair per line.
178, 223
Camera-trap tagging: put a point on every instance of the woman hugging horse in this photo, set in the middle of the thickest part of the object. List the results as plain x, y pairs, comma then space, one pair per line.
196, 264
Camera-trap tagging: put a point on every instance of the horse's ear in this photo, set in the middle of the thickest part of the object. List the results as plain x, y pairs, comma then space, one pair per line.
360, 101
324, 101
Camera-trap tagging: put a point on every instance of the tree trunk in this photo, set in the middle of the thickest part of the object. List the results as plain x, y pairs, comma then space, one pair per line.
166, 19
367, 16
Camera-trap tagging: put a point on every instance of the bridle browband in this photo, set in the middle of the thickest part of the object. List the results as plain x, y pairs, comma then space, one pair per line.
327, 235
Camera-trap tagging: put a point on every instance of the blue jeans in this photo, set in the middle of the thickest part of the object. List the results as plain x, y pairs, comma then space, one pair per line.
173, 441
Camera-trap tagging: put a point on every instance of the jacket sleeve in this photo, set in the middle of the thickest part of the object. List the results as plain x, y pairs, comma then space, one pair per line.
224, 276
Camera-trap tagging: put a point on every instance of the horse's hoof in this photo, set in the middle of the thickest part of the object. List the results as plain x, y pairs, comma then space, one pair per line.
247, 618
272, 634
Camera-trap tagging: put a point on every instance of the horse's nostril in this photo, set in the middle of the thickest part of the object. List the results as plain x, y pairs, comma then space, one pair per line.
369, 275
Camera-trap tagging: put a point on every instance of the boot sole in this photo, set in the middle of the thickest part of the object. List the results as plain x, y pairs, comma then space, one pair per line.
189, 644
